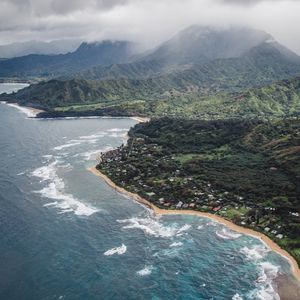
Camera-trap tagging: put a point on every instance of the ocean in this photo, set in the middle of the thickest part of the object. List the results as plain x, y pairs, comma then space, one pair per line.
65, 234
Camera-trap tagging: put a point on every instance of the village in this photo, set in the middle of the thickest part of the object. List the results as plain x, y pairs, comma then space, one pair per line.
144, 169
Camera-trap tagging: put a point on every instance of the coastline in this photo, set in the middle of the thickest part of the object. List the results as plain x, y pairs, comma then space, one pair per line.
250, 232
141, 119
30, 111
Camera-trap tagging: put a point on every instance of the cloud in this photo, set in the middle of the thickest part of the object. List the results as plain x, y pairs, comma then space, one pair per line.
145, 21
250, 2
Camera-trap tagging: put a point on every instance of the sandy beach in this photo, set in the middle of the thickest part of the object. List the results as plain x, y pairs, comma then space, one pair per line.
141, 119
272, 245
30, 111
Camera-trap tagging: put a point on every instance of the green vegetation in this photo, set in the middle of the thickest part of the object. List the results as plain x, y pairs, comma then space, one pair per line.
247, 171
281, 99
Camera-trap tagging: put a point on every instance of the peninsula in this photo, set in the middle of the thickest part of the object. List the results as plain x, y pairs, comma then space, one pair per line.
241, 172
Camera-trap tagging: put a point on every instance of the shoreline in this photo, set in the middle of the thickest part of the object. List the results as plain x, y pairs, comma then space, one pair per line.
250, 232
30, 111
141, 119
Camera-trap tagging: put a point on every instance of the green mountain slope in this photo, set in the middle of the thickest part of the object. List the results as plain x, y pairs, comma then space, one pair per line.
210, 91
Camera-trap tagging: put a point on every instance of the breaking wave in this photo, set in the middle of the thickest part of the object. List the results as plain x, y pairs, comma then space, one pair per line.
266, 289
29, 112
227, 234
55, 190
71, 144
118, 130
92, 155
237, 297
257, 252
176, 244
152, 226
117, 250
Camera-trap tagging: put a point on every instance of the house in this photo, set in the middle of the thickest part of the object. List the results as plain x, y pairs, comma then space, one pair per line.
150, 194
217, 208
161, 200
179, 204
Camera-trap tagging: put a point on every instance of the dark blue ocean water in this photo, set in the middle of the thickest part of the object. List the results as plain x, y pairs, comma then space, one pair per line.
66, 235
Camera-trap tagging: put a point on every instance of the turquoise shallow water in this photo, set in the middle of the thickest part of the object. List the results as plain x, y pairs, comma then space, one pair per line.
66, 235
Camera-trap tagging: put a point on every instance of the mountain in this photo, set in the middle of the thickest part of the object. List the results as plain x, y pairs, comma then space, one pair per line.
262, 65
193, 47
38, 47
158, 86
86, 56
198, 44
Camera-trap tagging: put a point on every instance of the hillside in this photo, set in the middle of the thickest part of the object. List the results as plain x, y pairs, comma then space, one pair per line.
245, 171
78, 97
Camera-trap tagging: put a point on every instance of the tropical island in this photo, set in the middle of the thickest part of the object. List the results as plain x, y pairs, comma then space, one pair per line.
224, 135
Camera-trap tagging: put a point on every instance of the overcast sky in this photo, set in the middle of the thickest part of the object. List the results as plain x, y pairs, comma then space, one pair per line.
146, 21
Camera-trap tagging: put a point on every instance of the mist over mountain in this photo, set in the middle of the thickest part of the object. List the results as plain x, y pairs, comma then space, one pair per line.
196, 46
38, 47
86, 56
197, 61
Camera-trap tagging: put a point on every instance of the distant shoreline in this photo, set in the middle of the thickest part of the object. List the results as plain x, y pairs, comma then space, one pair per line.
30, 111
250, 232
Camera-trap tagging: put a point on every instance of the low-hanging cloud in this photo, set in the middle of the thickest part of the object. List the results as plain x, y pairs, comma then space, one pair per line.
145, 21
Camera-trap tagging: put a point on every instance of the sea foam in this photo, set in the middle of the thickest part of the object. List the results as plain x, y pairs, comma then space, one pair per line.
265, 289
146, 271
117, 250
55, 190
237, 297
256, 252
29, 112
152, 226
227, 234
176, 244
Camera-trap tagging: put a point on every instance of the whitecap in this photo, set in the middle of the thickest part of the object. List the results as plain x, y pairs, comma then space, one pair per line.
176, 244
117, 250
93, 136
237, 297
71, 144
227, 234
200, 227
117, 130
146, 271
